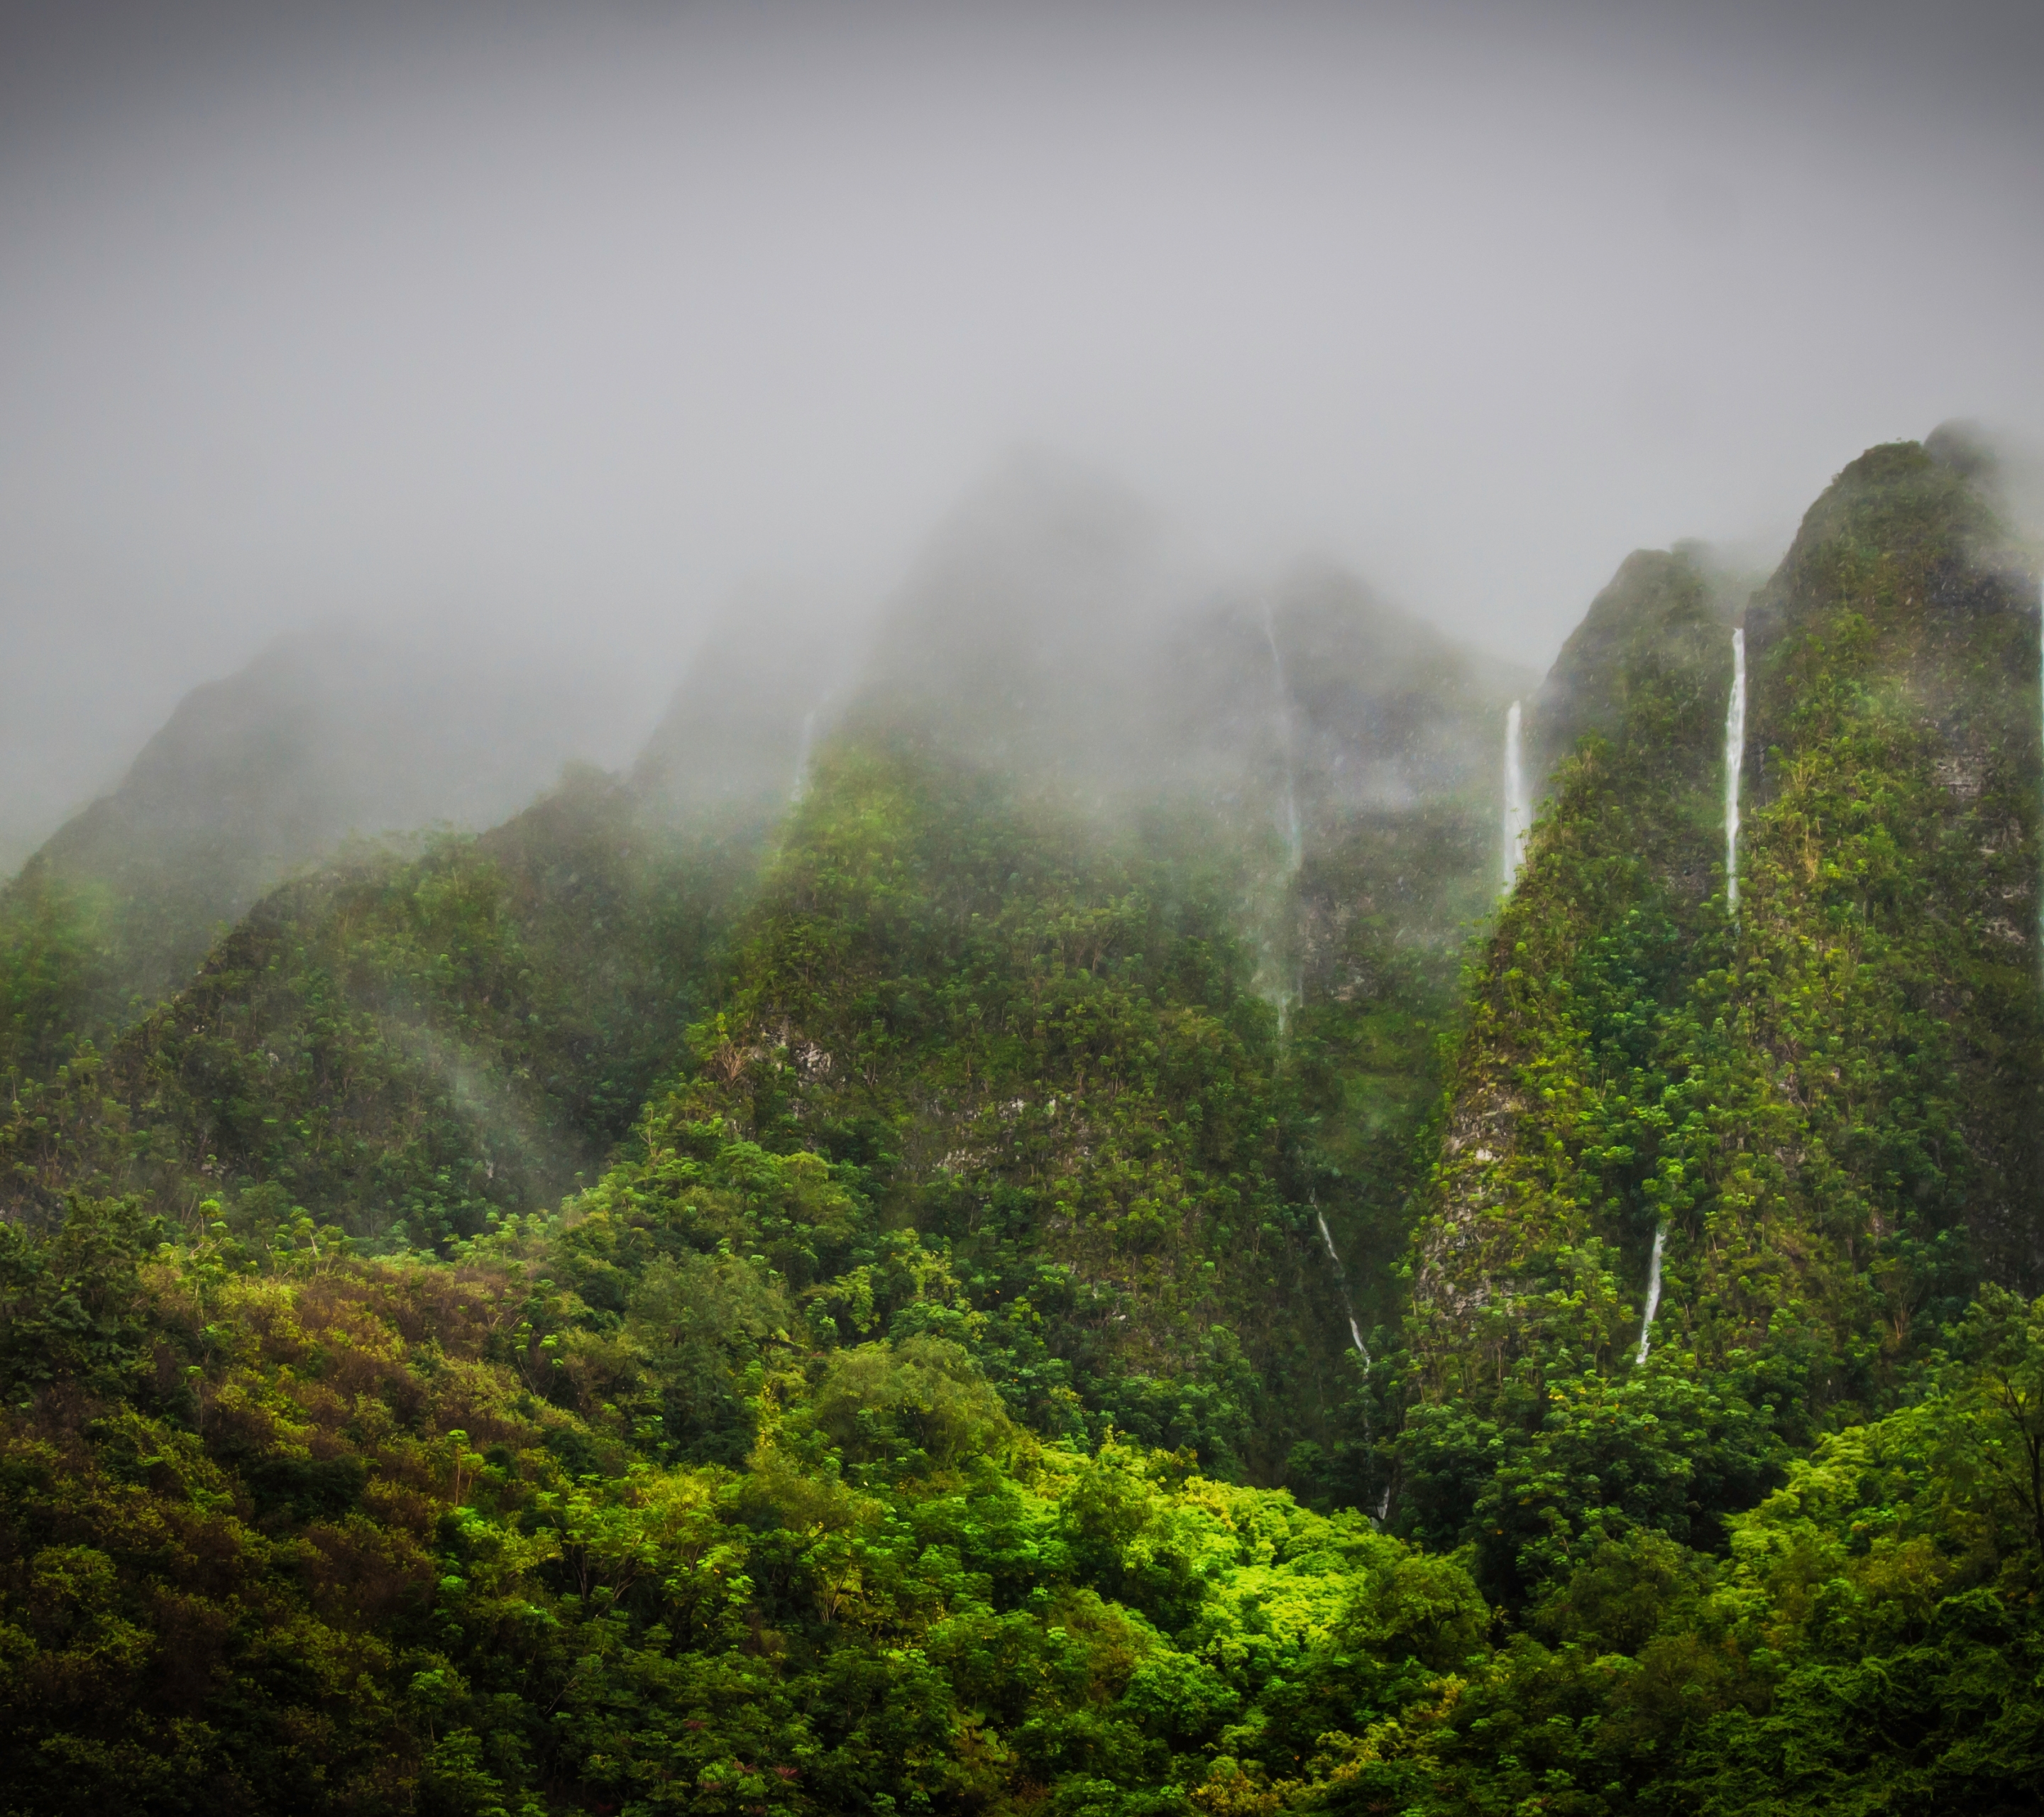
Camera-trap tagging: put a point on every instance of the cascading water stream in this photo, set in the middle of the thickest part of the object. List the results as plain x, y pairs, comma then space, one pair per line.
1518, 815
1341, 1284
1653, 1293
802, 755
1295, 851
1355, 1336
1735, 759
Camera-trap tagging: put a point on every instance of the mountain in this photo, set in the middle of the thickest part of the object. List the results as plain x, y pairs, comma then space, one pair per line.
1023, 640
1297, 790
1894, 745
1316, 684
1662, 608
419, 1036
1546, 1168
1780, 1142
1047, 837
252, 778
1063, 1241
402, 1047
734, 742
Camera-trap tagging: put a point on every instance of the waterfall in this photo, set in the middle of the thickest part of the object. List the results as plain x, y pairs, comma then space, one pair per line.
802, 755
1341, 1285
1653, 1292
1518, 817
1354, 1337
1734, 758
1295, 850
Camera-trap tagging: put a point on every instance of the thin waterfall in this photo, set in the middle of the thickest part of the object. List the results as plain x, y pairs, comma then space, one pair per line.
1518, 815
1653, 1292
802, 755
1295, 850
1735, 759
1341, 1285
1354, 1337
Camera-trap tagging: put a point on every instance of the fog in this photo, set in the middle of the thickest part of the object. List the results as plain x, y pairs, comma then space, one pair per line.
575, 328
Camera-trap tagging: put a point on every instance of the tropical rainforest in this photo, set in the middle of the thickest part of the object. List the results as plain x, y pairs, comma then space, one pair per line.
1050, 1218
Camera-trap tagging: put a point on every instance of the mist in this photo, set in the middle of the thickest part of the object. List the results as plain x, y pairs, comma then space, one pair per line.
572, 331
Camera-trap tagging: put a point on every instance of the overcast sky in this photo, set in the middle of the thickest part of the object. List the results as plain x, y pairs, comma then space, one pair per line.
574, 320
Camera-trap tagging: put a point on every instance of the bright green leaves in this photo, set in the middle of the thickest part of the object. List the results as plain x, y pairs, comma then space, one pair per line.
910, 1409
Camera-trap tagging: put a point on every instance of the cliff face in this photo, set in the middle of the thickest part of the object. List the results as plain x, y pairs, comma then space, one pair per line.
1825, 1105
1662, 611
1542, 1189
1888, 947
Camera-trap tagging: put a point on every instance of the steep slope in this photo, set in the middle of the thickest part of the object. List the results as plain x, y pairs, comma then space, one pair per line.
1106, 956
1035, 1056
1317, 686
765, 687
1328, 763
253, 778
406, 1041
403, 1047
1547, 1181
1772, 1150
773, 1473
1588, 689
1888, 953
1300, 788
1024, 639
1390, 738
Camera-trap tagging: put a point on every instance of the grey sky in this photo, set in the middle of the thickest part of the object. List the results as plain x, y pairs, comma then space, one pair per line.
571, 320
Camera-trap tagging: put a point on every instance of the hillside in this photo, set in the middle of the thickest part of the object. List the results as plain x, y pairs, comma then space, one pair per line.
398, 1047
1793, 1134
1890, 930
1547, 1167
731, 746
252, 779
925, 1249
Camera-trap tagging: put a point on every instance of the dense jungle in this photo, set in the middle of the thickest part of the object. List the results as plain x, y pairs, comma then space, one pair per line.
1094, 1205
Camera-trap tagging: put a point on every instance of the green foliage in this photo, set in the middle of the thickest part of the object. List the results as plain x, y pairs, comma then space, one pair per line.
1870, 1641
49, 952
400, 1047
1570, 1084
1827, 1105
340, 1534
1036, 1049
594, 1318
